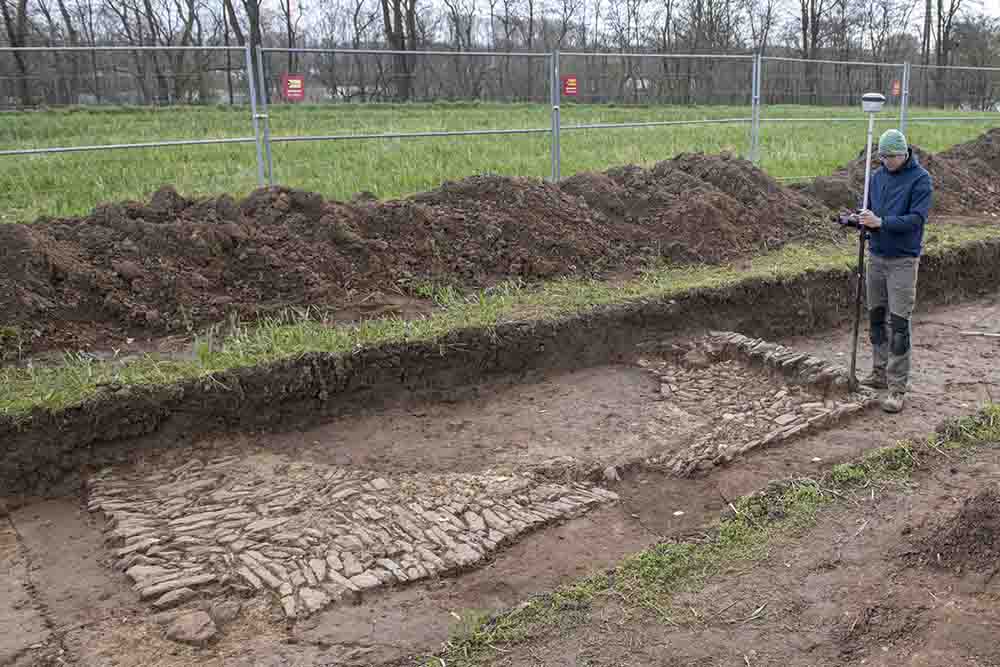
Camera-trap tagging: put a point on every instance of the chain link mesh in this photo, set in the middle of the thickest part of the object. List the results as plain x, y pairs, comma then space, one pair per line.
59, 78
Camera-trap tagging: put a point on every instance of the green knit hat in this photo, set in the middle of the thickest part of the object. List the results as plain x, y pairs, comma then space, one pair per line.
892, 142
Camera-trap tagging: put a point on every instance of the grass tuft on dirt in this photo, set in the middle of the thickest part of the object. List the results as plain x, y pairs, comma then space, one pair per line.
883, 463
295, 333
648, 579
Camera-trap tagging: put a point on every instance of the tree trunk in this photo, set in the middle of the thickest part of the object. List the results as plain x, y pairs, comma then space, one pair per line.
396, 37
17, 34
229, 59
74, 40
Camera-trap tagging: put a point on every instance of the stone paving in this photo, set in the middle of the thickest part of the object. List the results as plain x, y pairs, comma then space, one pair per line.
311, 534
752, 394
196, 538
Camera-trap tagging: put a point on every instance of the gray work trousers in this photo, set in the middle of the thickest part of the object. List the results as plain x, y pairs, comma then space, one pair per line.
892, 293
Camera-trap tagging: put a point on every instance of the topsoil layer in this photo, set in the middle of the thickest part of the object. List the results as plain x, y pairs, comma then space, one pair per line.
173, 264
969, 540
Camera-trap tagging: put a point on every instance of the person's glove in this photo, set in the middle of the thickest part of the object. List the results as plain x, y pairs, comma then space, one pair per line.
850, 219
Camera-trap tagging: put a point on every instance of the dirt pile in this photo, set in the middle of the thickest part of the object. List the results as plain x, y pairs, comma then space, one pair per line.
700, 208
968, 540
965, 179
173, 264
981, 154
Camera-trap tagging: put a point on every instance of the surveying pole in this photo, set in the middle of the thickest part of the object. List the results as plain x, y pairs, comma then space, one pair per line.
871, 104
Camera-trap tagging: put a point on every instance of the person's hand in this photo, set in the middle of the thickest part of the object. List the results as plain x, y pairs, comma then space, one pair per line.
870, 220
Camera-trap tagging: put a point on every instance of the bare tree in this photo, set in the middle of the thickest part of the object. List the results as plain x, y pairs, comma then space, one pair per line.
626, 24
761, 16
926, 41
882, 20
292, 18
567, 13
461, 22
492, 28
509, 20
399, 22
811, 18
946, 15
947, 12
15, 19
529, 25
86, 14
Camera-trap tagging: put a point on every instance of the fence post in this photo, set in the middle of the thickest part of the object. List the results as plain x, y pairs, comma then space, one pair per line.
264, 114
753, 110
758, 66
556, 94
904, 103
253, 115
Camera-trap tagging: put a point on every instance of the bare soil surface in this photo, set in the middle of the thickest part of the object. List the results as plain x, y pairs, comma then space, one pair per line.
968, 540
838, 594
965, 179
135, 269
86, 614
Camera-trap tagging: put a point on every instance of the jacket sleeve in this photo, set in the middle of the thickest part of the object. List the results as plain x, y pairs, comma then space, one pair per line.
916, 216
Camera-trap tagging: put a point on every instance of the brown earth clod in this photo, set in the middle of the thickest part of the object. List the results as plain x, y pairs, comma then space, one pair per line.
969, 540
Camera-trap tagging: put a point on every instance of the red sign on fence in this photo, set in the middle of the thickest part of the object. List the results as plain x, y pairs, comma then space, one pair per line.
896, 87
293, 87
570, 86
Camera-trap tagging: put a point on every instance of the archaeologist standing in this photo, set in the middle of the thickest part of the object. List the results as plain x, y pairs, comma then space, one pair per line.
900, 199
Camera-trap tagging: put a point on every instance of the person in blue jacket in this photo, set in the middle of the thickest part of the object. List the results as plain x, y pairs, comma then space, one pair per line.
900, 197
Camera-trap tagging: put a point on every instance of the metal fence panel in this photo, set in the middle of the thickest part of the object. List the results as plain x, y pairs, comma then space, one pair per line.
958, 88
829, 83
373, 76
57, 77
375, 96
303, 88
46, 141
675, 79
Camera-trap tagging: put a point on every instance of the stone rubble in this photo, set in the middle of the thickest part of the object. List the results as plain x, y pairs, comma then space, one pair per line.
310, 534
756, 394
780, 361
195, 628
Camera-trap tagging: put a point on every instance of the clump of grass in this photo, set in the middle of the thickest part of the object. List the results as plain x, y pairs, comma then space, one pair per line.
11, 342
883, 463
649, 578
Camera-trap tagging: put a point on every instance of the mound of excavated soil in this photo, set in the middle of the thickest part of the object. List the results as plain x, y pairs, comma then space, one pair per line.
173, 263
982, 154
700, 208
969, 540
965, 179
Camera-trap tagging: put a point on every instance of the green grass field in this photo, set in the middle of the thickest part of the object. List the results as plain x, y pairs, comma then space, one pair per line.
73, 183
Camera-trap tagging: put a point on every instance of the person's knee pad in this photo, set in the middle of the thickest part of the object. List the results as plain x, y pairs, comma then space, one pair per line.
877, 318
900, 335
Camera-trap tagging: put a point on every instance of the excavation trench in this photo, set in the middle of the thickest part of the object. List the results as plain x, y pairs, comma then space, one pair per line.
95, 585
47, 452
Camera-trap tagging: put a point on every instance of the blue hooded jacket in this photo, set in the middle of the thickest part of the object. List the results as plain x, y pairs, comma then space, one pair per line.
902, 200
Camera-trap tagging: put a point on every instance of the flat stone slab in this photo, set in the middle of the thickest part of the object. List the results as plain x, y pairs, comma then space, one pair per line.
195, 628
310, 534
